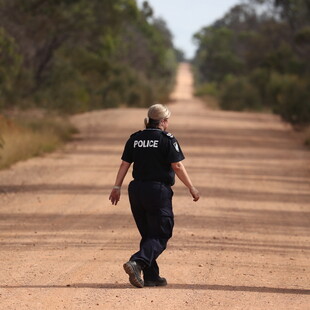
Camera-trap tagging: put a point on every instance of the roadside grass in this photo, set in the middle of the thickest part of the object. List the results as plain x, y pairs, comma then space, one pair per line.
24, 135
213, 103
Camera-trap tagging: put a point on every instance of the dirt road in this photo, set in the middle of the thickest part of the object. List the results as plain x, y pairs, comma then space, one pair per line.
244, 245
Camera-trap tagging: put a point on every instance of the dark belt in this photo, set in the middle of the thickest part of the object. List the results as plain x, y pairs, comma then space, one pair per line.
153, 181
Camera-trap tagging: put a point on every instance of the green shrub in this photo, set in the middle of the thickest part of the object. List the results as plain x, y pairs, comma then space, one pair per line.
290, 95
10, 64
238, 94
207, 89
259, 78
126, 86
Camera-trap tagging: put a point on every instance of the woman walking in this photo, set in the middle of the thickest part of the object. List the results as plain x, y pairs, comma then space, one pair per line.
156, 157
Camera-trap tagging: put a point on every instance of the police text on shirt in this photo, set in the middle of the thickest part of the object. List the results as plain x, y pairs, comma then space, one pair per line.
145, 143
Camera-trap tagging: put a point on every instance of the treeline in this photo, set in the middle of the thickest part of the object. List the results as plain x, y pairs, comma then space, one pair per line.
257, 57
78, 55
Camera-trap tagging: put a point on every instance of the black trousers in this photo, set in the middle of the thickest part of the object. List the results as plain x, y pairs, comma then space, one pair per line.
151, 206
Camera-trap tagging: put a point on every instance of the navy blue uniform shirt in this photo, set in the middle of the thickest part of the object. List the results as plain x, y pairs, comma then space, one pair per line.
152, 151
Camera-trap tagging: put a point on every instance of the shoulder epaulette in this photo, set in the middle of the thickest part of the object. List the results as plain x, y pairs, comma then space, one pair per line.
135, 133
168, 134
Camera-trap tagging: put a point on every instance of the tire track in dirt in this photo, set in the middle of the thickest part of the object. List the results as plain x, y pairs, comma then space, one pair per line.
244, 245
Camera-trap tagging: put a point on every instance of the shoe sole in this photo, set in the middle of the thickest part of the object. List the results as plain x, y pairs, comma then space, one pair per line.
134, 278
154, 284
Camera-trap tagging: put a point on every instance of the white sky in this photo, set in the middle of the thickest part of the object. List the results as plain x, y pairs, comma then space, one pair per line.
186, 17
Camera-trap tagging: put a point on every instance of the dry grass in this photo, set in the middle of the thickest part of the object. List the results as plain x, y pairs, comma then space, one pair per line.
23, 137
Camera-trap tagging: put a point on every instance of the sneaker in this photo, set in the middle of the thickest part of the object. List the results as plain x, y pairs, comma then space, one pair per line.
159, 282
133, 269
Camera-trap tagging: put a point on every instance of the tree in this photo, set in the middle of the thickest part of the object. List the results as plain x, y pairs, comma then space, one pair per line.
259, 50
76, 53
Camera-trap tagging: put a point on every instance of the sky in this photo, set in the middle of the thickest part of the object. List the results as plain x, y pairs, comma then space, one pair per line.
186, 17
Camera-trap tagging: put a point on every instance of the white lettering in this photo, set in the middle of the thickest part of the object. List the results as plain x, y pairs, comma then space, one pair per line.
146, 143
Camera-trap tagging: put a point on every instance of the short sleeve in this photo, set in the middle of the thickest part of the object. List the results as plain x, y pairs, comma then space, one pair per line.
128, 152
174, 152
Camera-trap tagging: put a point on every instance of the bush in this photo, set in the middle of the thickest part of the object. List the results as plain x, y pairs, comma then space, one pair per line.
126, 86
238, 94
10, 63
259, 78
291, 98
207, 89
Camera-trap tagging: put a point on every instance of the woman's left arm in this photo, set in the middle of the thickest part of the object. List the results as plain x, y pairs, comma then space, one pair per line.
182, 174
116, 191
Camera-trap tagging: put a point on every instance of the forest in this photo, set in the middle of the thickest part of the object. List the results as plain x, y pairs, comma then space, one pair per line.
62, 57
79, 55
257, 57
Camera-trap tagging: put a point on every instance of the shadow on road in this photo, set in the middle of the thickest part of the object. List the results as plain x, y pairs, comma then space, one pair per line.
173, 286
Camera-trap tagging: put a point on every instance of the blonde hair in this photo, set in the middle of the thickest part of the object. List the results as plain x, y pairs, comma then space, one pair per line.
156, 113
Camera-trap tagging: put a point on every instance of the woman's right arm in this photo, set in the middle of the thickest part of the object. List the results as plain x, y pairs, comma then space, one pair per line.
116, 191
182, 174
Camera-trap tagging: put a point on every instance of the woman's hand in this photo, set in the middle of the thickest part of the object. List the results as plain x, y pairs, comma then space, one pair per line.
116, 191
194, 192
115, 196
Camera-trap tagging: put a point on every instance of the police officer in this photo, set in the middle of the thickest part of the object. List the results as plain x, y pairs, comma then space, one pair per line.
156, 156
